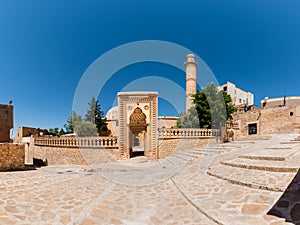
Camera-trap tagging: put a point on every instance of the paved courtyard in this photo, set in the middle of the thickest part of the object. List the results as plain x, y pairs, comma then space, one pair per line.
244, 182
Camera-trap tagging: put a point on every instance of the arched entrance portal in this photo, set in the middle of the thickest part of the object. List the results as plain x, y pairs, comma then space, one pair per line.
138, 124
138, 128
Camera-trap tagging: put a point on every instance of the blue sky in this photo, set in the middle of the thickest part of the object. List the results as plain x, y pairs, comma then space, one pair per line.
46, 46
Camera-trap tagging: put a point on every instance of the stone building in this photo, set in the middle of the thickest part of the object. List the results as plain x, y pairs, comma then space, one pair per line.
6, 122
280, 102
239, 96
24, 132
276, 116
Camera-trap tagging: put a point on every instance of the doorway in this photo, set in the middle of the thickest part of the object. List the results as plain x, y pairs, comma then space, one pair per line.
138, 129
252, 128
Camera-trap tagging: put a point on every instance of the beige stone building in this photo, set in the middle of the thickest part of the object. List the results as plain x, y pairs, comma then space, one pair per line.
6, 122
24, 132
280, 102
276, 116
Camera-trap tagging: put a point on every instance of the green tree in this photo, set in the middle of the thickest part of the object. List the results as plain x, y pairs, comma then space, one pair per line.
85, 129
212, 108
54, 131
96, 115
70, 122
189, 119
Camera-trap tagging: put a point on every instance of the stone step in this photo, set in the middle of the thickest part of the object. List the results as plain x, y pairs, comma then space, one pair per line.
169, 161
175, 160
244, 142
258, 179
208, 149
231, 145
290, 142
269, 158
192, 155
275, 166
271, 154
254, 138
183, 157
165, 163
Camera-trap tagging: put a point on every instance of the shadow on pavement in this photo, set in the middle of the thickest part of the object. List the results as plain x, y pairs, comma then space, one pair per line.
288, 206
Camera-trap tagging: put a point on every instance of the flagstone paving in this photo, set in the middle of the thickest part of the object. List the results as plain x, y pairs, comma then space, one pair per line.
192, 187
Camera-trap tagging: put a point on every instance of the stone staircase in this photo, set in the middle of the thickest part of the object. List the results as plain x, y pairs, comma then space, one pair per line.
182, 158
269, 167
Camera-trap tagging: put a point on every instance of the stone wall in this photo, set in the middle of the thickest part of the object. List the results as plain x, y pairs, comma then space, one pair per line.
279, 102
169, 146
12, 157
74, 156
6, 122
277, 120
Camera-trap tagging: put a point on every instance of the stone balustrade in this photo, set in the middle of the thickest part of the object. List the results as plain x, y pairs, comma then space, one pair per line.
79, 142
188, 133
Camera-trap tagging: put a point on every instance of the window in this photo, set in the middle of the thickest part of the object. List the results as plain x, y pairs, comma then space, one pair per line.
225, 88
252, 128
240, 100
291, 113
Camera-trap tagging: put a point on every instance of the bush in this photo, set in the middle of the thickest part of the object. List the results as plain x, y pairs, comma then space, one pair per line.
85, 129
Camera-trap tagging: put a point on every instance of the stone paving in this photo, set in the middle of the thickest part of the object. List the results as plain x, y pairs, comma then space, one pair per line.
192, 187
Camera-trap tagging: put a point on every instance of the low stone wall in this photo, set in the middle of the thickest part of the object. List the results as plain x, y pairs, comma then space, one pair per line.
169, 146
76, 156
12, 157
83, 151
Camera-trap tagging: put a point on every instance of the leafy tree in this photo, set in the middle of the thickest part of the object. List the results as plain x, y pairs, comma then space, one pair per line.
56, 132
85, 129
70, 122
96, 115
189, 119
212, 108
93, 121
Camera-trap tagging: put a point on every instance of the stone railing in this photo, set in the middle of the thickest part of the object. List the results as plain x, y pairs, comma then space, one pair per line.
188, 133
80, 142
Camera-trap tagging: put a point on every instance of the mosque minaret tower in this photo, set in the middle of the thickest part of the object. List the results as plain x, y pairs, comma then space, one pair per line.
191, 73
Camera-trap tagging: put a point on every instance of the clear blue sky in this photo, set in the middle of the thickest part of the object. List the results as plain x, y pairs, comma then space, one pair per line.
46, 46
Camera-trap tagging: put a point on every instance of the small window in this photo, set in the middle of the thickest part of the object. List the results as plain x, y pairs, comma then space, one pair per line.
117, 123
291, 113
225, 88
240, 100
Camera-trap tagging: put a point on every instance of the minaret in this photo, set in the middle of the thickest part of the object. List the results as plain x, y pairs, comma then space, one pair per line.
191, 73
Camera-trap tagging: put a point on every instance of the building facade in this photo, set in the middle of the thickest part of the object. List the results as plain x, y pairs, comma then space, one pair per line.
276, 116
6, 122
239, 96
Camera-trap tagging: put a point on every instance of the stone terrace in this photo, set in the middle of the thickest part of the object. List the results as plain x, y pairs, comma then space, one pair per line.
234, 183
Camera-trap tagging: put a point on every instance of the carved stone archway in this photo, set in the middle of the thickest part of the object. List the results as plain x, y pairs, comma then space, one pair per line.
138, 128
138, 116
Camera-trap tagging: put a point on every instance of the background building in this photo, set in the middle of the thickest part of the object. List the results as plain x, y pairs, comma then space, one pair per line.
6, 122
238, 96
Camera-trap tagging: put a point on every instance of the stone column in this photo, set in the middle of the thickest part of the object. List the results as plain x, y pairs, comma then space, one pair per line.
191, 73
